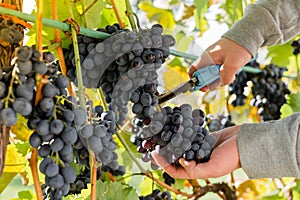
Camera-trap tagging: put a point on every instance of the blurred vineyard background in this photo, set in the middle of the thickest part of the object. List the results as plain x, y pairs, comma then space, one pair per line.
195, 25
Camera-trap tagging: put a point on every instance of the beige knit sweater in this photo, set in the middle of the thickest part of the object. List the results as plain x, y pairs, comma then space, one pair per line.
269, 149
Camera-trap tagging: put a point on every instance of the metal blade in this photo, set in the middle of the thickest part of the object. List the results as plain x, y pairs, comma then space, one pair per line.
182, 88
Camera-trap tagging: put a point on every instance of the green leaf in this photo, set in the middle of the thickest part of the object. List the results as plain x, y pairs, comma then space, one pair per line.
108, 16
114, 190
280, 54
23, 148
234, 11
26, 195
5, 179
273, 195
201, 8
296, 190
292, 105
164, 17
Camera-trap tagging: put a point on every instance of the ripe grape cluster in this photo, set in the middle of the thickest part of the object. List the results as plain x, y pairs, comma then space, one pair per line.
169, 180
296, 46
144, 100
218, 122
174, 133
268, 90
10, 32
157, 194
121, 64
17, 85
55, 122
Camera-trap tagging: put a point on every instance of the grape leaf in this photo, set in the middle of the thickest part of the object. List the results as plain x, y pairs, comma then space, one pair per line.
5, 179
292, 105
234, 11
23, 148
201, 8
25, 195
162, 16
15, 162
108, 16
280, 54
114, 190
21, 130
173, 76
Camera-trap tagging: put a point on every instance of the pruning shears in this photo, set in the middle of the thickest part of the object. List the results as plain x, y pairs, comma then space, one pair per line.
201, 78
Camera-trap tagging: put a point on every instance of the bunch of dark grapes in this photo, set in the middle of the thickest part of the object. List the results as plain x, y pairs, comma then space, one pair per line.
175, 133
17, 85
55, 122
157, 194
268, 90
218, 122
144, 100
169, 180
296, 46
237, 87
122, 63
98, 137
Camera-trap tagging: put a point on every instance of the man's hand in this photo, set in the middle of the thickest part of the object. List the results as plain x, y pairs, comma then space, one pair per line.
227, 53
224, 159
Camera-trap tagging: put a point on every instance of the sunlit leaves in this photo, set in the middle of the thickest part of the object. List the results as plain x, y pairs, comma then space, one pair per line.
201, 8
233, 11
108, 16
292, 105
114, 190
21, 130
163, 16
280, 54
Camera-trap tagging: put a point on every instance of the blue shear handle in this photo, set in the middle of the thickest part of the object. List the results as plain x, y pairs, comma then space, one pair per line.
206, 76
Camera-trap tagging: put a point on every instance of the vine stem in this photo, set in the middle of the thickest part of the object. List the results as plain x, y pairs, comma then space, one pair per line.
94, 177
83, 14
34, 170
39, 26
117, 13
82, 101
34, 151
145, 172
59, 50
129, 13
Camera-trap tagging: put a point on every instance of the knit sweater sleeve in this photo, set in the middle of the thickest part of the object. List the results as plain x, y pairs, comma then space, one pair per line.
266, 23
271, 149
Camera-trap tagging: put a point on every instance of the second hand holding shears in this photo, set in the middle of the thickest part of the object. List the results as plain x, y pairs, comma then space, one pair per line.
200, 78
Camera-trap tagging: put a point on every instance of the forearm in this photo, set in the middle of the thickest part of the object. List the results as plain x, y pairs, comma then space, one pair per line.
266, 23
270, 149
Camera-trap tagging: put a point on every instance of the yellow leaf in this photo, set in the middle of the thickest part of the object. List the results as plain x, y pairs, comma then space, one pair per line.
251, 189
15, 162
21, 130
173, 76
163, 16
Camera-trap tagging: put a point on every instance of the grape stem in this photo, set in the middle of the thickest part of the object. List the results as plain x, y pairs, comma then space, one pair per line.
84, 14
82, 101
59, 50
34, 170
129, 13
117, 13
89, 7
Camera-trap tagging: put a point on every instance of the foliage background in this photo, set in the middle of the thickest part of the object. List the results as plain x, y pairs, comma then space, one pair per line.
195, 25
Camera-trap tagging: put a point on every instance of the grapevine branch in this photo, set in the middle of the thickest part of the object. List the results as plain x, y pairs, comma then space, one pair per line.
117, 13
34, 152
59, 50
129, 13
82, 101
89, 7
